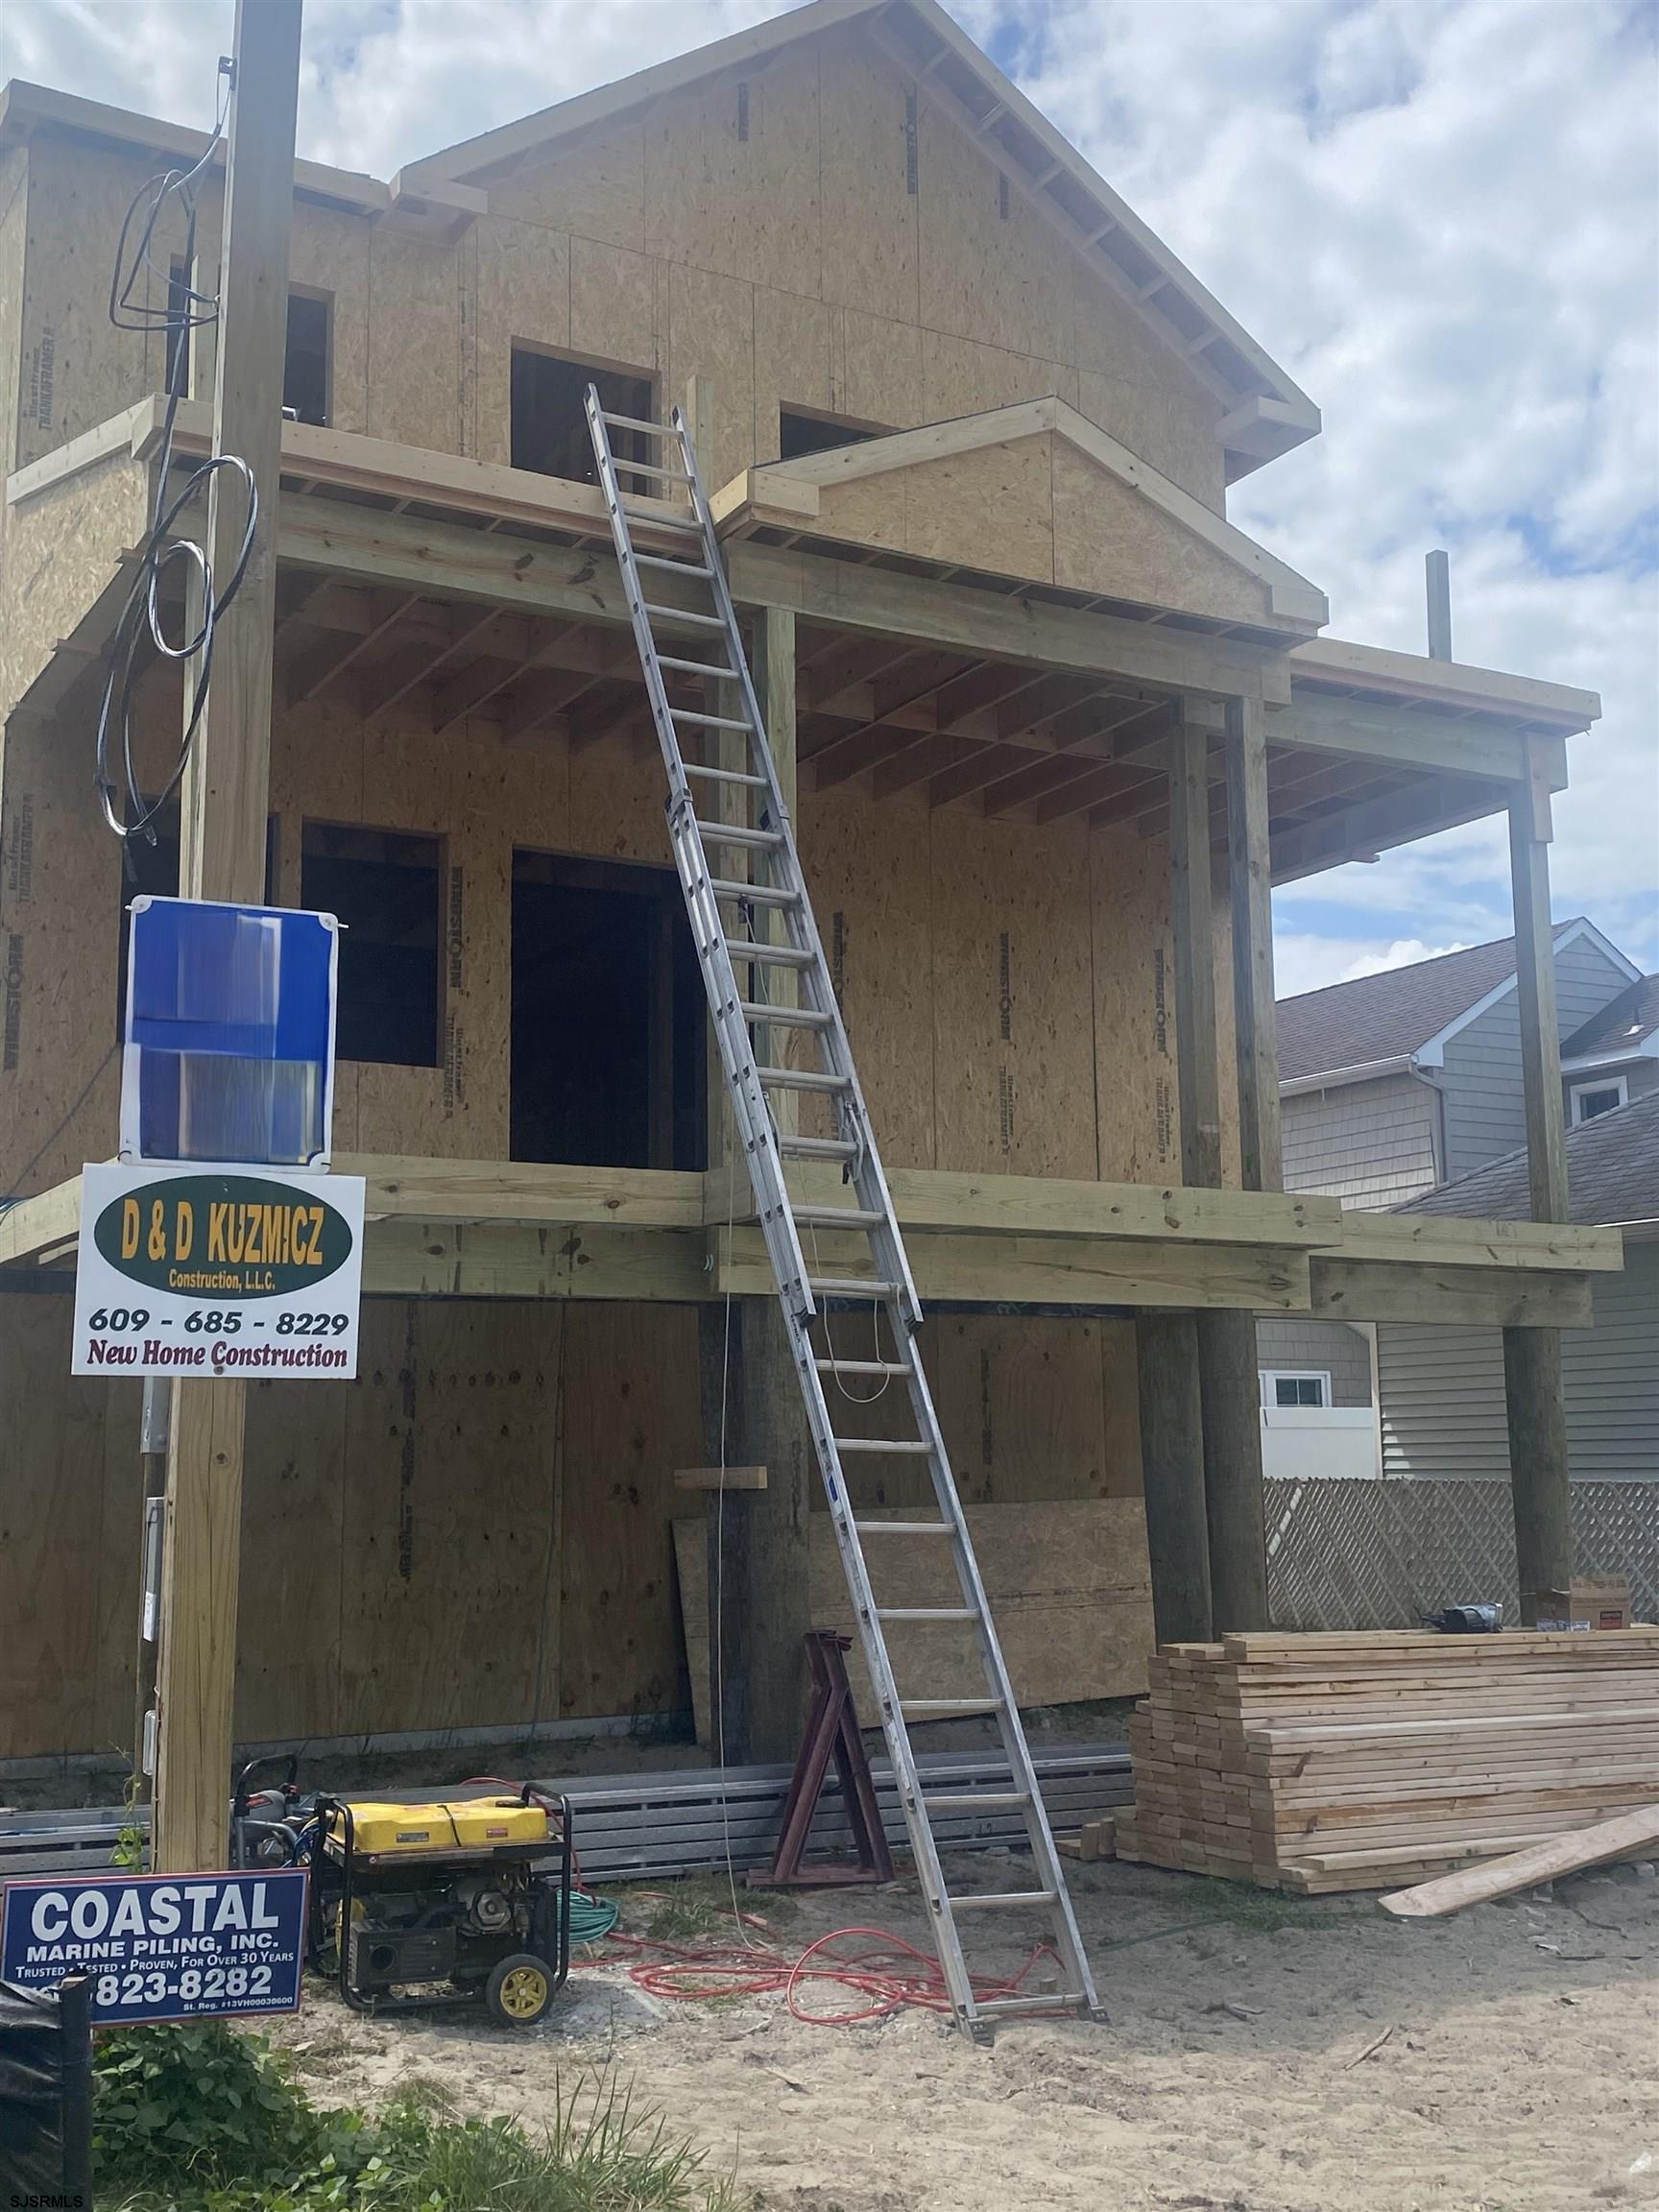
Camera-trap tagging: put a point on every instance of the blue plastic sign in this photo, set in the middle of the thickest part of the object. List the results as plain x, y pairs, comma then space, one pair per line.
229, 1033
162, 1946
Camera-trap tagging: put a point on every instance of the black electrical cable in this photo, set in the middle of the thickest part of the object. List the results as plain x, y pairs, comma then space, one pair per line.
139, 629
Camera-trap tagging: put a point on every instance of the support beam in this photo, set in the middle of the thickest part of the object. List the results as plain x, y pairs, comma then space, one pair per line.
1199, 1081
1538, 1463
1250, 884
1231, 1395
1172, 1476
226, 800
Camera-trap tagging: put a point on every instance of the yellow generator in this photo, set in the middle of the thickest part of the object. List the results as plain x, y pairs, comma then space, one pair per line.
465, 1901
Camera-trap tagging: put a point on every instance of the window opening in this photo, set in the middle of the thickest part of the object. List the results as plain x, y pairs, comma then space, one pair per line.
549, 420
607, 1018
305, 359
385, 885
801, 432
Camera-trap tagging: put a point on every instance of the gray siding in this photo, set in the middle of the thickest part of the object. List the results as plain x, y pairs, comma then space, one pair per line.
1367, 1144
1443, 1388
1328, 1346
1485, 1112
1641, 1078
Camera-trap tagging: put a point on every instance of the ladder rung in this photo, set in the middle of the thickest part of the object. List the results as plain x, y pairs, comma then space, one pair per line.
861, 1366
797, 1018
697, 668
1063, 2000
852, 1286
946, 1708
673, 566
769, 956
989, 1900
723, 775
977, 1801
706, 721
637, 422
905, 1528
924, 1613
734, 833
794, 1147
803, 1079
880, 1443
684, 615
836, 1216
756, 893
648, 469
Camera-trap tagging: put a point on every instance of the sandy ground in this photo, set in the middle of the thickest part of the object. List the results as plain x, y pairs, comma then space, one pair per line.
1263, 2054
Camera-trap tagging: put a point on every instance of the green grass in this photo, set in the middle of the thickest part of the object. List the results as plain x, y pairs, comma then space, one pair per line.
198, 2118
699, 1906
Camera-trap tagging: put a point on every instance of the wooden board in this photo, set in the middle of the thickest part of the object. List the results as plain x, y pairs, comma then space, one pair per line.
1067, 1585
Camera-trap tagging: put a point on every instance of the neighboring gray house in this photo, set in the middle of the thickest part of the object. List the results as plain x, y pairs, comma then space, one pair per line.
1396, 1084
1442, 1389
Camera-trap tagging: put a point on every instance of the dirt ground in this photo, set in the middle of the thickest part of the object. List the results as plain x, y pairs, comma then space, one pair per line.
1263, 2054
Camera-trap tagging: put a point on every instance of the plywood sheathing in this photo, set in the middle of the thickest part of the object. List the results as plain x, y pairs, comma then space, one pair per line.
478, 1530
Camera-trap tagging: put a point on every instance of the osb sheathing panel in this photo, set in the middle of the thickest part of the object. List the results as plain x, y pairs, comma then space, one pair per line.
869, 253
63, 548
69, 1515
415, 341
478, 1530
871, 891
876, 369
1136, 1069
990, 508
1010, 1031
1172, 425
960, 377
1008, 279
711, 334
614, 305
13, 241
734, 188
1110, 537
596, 188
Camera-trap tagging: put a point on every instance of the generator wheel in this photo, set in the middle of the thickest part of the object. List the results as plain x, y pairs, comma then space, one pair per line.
519, 1989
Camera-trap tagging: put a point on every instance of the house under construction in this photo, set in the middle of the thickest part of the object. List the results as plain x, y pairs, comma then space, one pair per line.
1052, 727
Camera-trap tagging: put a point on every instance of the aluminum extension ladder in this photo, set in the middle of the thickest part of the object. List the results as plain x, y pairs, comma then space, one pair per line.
753, 914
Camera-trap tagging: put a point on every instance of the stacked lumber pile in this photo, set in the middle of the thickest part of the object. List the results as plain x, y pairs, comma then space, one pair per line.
1370, 1761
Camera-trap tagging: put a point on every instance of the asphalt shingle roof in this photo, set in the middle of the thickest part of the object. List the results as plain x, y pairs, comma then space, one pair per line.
1619, 1026
1612, 1174
1384, 1017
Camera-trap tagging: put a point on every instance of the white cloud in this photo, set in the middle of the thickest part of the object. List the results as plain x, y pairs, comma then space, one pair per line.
1439, 215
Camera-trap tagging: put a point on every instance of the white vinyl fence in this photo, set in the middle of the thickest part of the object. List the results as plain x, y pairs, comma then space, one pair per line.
1357, 1555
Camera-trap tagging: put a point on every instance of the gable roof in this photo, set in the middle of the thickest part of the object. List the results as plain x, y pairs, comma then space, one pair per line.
1267, 411
1612, 1174
1369, 1026
801, 484
1625, 1024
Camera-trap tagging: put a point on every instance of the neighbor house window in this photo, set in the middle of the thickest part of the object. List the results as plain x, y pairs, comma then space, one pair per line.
1602, 1098
801, 432
305, 376
549, 418
385, 886
1304, 1388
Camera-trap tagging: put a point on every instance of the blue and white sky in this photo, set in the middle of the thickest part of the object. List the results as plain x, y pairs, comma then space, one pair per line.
1442, 216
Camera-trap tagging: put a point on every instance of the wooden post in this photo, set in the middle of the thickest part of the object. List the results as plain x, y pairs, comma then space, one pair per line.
1538, 1463
225, 802
1234, 1500
1172, 1464
1198, 1082
1250, 881
154, 1421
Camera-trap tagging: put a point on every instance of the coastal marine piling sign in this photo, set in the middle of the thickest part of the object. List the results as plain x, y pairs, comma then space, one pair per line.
161, 1947
239, 1271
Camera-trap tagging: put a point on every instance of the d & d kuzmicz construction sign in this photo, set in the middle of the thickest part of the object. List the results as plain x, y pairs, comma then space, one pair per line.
239, 1271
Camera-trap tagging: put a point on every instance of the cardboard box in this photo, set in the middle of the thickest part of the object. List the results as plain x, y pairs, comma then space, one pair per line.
1592, 1601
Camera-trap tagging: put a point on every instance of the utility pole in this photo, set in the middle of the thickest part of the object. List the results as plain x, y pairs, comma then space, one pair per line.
222, 856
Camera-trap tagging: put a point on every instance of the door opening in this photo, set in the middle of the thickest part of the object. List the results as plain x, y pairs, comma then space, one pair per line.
608, 1017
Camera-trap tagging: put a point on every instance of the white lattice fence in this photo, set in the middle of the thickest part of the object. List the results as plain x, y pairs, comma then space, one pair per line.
1352, 1554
